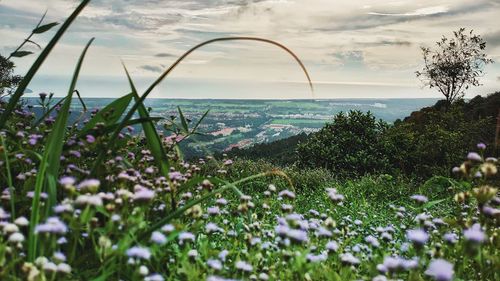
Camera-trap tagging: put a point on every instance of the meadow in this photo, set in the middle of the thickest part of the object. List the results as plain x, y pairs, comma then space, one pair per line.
88, 198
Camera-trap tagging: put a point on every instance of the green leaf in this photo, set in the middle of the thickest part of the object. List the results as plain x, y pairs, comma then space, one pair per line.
432, 203
20, 54
183, 121
132, 122
109, 115
44, 28
14, 99
49, 166
152, 138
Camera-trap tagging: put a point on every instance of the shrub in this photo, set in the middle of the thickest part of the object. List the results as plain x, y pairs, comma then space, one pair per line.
350, 145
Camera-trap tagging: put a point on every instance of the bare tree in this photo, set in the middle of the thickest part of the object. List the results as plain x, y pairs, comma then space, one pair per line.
455, 65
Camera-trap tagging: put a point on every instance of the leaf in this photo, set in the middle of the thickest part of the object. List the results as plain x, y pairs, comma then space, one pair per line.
432, 203
152, 138
20, 54
132, 122
44, 28
49, 166
14, 99
109, 115
183, 121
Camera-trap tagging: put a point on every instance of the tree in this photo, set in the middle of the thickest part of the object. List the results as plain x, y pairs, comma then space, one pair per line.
455, 64
350, 145
8, 80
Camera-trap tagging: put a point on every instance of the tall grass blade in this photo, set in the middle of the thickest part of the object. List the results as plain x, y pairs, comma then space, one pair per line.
14, 99
140, 102
109, 115
9, 177
49, 166
152, 138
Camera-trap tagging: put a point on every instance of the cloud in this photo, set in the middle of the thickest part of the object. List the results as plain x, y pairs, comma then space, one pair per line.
164, 55
151, 68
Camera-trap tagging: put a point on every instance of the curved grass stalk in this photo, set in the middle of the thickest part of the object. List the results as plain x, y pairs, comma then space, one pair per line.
49, 165
14, 99
9, 177
139, 102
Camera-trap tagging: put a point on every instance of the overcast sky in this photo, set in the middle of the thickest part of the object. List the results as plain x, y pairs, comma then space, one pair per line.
352, 48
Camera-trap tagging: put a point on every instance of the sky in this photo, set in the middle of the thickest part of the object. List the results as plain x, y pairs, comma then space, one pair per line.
351, 48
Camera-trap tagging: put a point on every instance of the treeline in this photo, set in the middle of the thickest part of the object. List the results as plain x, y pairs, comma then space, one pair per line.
426, 143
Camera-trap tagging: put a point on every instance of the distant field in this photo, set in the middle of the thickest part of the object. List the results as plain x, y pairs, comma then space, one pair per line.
297, 122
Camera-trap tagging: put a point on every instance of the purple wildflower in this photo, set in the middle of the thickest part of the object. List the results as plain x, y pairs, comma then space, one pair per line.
475, 234
440, 270
139, 252
417, 236
474, 156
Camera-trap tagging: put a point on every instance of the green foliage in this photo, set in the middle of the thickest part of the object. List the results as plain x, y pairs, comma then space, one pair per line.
350, 145
432, 140
8, 80
280, 152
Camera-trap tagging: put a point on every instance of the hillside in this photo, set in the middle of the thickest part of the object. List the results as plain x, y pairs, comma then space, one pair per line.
474, 120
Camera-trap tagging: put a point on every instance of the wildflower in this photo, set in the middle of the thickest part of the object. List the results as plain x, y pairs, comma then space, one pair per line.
316, 258
212, 227
154, 277
373, 241
16, 237
349, 259
287, 193
263, 276
90, 138
489, 169
214, 264
90, 185
244, 266
334, 196
139, 252
332, 246
475, 234
53, 225
91, 200
193, 253
419, 198
50, 266
450, 237
297, 235
186, 236
67, 181
168, 228
418, 236
481, 146
221, 201
143, 194
10, 228
474, 156
64, 268
158, 238
223, 254
59, 256
143, 270
440, 270
213, 210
